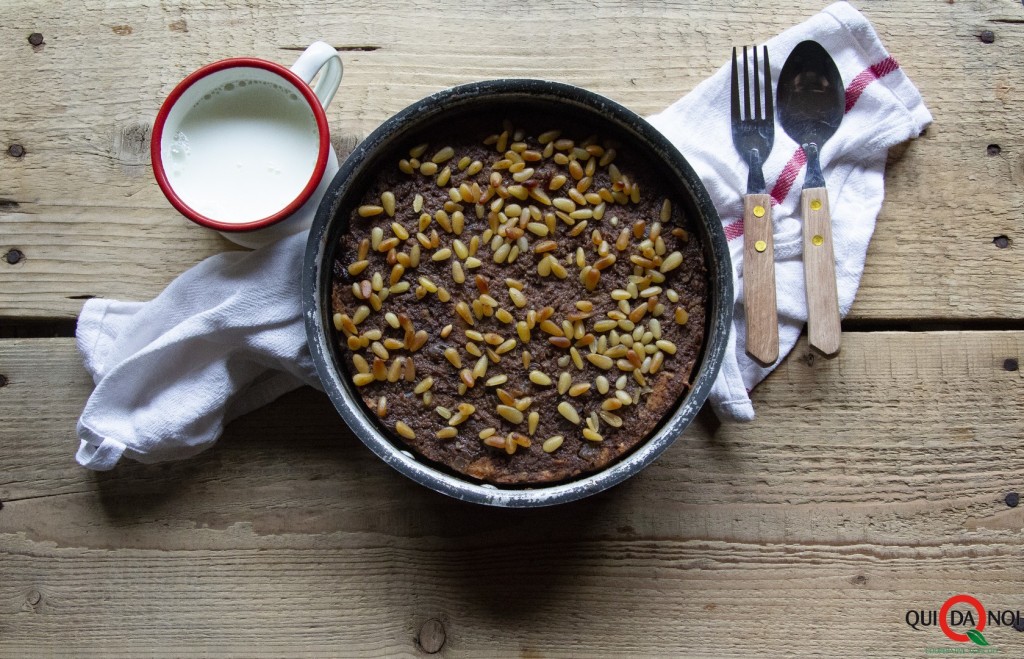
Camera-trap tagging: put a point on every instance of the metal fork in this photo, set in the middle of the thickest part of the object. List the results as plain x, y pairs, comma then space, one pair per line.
753, 134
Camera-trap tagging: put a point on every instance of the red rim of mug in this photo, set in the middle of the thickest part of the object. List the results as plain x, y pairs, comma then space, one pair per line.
183, 86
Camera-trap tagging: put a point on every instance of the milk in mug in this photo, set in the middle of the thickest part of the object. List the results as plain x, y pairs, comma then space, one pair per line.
241, 145
243, 151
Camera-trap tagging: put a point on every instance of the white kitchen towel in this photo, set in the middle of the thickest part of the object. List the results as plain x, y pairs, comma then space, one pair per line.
883, 108
227, 336
224, 338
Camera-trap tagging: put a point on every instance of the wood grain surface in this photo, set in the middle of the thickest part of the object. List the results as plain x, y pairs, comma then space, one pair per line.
812, 530
883, 481
82, 206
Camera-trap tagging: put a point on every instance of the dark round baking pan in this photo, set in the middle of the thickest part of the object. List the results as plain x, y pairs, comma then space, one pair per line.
498, 97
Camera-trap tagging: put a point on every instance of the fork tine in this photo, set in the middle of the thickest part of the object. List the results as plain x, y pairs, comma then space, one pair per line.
735, 90
746, 85
757, 88
769, 104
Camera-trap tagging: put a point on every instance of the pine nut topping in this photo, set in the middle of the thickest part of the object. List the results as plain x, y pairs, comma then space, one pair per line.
404, 430
533, 217
579, 389
569, 412
600, 361
510, 414
552, 444
540, 378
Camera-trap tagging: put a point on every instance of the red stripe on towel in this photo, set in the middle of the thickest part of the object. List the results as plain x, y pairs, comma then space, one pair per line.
788, 176
734, 230
866, 77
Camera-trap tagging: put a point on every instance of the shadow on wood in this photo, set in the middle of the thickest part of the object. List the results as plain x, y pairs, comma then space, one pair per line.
276, 478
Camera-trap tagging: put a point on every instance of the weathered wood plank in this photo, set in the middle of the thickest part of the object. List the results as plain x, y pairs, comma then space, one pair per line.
538, 598
825, 520
898, 423
82, 206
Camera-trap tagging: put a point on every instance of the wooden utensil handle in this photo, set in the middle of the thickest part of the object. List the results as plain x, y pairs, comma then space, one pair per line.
823, 328
759, 279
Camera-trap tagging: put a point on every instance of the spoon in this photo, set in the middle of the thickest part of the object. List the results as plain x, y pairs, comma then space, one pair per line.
811, 102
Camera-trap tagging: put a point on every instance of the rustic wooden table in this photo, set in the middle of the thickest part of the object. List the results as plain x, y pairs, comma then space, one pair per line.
876, 484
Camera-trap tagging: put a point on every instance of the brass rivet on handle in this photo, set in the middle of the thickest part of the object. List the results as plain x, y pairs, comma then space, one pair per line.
815, 205
817, 240
760, 245
758, 211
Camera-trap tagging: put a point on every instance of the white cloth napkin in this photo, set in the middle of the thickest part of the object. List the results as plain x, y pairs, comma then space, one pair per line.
224, 338
227, 336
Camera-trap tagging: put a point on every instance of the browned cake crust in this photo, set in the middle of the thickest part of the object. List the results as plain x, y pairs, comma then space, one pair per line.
480, 351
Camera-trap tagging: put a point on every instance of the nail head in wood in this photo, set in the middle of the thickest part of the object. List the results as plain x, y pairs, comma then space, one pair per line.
1002, 242
987, 36
1011, 364
432, 636
35, 38
14, 256
993, 149
16, 150
1012, 499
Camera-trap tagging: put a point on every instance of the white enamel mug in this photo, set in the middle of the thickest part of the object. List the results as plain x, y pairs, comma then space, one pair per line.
243, 146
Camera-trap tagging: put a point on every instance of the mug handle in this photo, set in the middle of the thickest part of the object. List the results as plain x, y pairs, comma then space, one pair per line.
309, 64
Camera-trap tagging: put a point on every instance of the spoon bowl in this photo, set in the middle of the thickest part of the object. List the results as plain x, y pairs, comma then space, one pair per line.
811, 97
